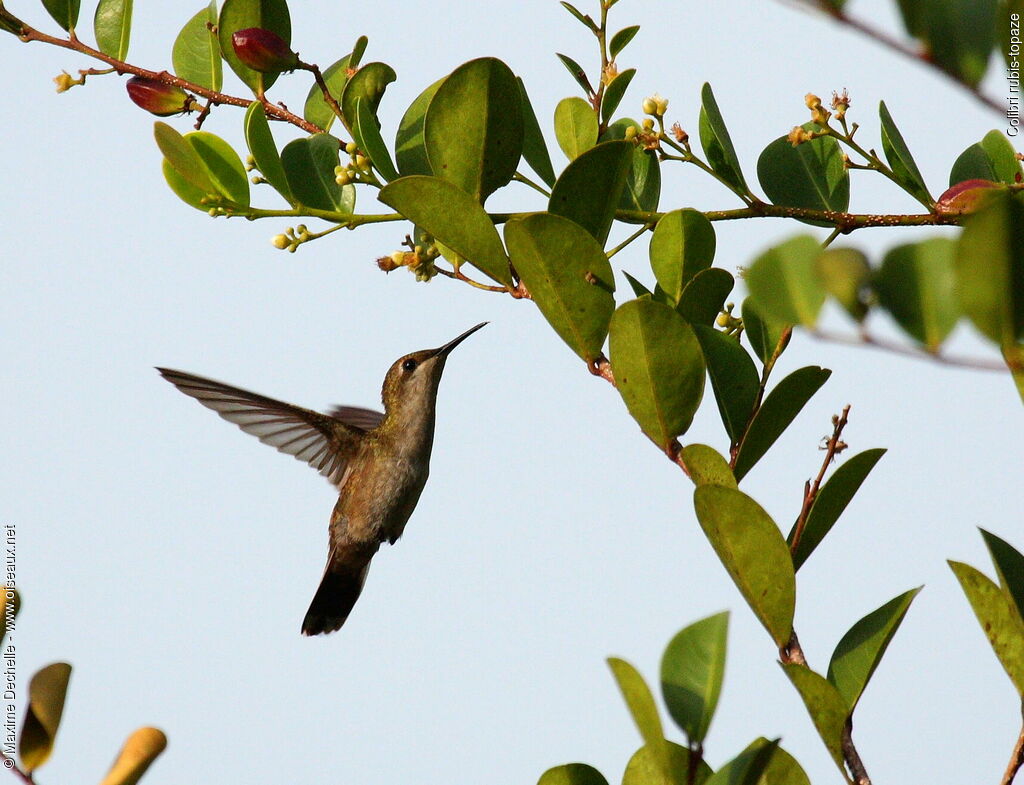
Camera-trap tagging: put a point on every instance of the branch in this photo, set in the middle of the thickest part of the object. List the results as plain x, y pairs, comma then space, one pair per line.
832, 449
10, 765
1016, 760
865, 339
844, 222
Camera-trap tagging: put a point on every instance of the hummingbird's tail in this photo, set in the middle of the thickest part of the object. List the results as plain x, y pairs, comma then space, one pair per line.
334, 599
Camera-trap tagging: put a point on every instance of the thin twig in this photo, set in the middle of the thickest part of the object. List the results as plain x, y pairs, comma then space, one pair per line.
834, 446
1016, 760
869, 341
10, 765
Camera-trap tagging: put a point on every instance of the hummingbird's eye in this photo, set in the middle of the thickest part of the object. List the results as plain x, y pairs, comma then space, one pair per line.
409, 365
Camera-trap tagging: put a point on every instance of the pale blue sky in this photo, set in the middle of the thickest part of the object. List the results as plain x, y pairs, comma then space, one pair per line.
171, 558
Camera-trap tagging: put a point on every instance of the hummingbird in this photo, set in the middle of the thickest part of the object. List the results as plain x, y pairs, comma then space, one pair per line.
378, 462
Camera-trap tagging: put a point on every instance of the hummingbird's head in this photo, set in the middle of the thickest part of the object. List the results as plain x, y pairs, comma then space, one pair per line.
414, 378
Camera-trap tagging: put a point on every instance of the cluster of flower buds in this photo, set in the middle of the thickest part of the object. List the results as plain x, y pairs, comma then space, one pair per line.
799, 135
263, 51
358, 165
646, 136
158, 98
65, 81
819, 114
291, 239
729, 323
419, 260
840, 103
655, 105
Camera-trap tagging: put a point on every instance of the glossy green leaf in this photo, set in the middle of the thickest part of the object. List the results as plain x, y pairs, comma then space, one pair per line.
844, 272
64, 12
959, 36
238, 15
621, 39
11, 23
473, 129
577, 73
826, 707
658, 366
184, 190
410, 148
811, 175
367, 136
900, 160
535, 149
647, 766
763, 332
568, 276
785, 284
998, 617
682, 245
750, 767
734, 378
316, 109
831, 501
614, 92
113, 26
11, 606
706, 466
643, 182
223, 166
575, 126
753, 552
990, 270
196, 53
716, 142
704, 296
912, 12
46, 694
917, 285
182, 158
692, 669
783, 769
1009, 563
453, 217
993, 158
586, 21
136, 756
367, 85
861, 649
641, 705
264, 150
779, 409
309, 165
572, 774
638, 288
589, 188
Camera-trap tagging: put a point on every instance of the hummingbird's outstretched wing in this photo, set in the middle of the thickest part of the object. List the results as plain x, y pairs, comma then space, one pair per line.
325, 443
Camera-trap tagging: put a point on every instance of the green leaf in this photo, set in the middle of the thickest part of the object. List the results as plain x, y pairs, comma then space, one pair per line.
785, 284
750, 767
912, 12
535, 150
113, 26
621, 38
638, 288
831, 501
64, 12
682, 245
367, 137
658, 366
733, 378
811, 175
367, 84
11, 23
900, 160
643, 183
990, 270
779, 409
861, 649
575, 126
844, 272
998, 618
223, 166
588, 190
993, 158
183, 189
410, 149
753, 552
917, 285
263, 149
572, 774
959, 36
826, 707
704, 296
1009, 565
783, 769
238, 15
647, 766
577, 72
46, 694
10, 598
568, 276
474, 127
182, 158
614, 92
309, 167
706, 466
453, 217
136, 756
716, 142
763, 332
1009, 27
640, 702
692, 669
196, 53
586, 21
316, 109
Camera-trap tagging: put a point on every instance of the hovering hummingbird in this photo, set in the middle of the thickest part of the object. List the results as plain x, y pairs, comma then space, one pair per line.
379, 463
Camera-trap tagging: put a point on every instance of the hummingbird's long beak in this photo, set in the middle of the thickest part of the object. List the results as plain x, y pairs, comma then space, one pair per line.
444, 350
